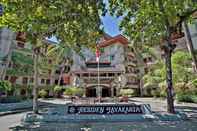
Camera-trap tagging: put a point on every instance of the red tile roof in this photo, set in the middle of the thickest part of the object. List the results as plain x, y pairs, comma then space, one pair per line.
119, 38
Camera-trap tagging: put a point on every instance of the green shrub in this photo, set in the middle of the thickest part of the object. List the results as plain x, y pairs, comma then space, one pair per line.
43, 93
155, 93
68, 92
74, 91
5, 86
162, 89
127, 92
58, 91
186, 98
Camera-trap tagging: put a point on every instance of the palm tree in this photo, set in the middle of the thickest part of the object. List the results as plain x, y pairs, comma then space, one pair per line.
62, 56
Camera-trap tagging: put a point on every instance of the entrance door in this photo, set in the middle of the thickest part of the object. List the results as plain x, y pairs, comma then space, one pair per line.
106, 92
90, 92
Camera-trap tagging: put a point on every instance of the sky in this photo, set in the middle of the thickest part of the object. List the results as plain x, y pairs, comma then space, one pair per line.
111, 25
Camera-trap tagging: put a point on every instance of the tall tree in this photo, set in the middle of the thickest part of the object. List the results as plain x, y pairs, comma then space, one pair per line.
151, 21
74, 21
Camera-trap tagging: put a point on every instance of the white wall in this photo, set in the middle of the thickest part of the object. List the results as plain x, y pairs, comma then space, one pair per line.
6, 39
193, 31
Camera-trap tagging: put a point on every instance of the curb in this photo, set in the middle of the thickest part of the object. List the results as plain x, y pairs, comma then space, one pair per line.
10, 112
14, 112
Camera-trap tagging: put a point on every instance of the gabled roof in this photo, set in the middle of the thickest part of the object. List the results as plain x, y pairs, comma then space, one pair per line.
113, 40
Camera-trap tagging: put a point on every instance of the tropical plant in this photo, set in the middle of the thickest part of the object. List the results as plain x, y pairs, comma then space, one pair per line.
5, 86
43, 93
63, 55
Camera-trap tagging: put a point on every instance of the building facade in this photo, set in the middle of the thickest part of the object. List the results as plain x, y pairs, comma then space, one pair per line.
116, 68
16, 63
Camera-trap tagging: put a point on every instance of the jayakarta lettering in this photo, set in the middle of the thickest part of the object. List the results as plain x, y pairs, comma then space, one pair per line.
121, 109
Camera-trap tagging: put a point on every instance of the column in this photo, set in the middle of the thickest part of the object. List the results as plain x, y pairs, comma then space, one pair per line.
112, 91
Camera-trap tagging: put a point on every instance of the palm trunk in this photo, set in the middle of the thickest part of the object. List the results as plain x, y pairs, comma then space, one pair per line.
61, 72
168, 48
35, 95
52, 75
190, 45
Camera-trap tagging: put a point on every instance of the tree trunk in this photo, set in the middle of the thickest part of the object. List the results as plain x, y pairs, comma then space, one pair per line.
52, 75
35, 95
168, 48
190, 45
170, 91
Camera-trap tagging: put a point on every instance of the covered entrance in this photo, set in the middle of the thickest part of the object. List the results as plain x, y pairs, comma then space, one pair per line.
106, 92
91, 92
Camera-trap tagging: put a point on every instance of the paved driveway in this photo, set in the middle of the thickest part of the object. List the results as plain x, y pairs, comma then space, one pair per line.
10, 120
158, 105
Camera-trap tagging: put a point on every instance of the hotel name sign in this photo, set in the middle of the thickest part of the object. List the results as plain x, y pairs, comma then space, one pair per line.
105, 109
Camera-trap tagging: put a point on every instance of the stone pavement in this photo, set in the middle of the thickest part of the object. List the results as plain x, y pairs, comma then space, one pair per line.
159, 105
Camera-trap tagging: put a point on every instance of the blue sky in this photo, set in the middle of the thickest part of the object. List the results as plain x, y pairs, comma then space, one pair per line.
111, 25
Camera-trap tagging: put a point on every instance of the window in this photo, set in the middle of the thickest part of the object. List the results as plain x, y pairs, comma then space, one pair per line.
103, 74
111, 57
56, 82
6, 78
102, 50
85, 75
57, 71
78, 75
31, 80
93, 75
95, 65
145, 60
150, 59
111, 74
25, 80
42, 81
10, 65
48, 81
49, 61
